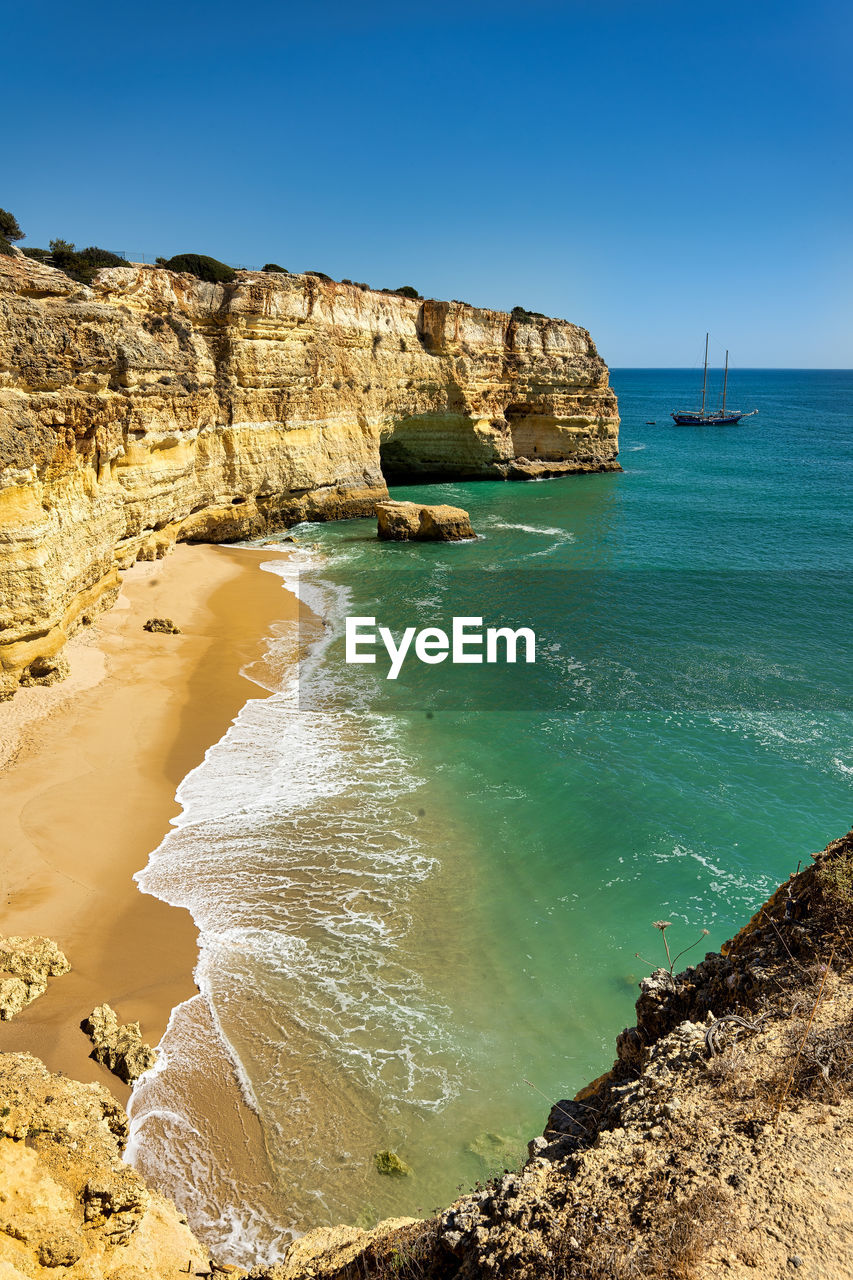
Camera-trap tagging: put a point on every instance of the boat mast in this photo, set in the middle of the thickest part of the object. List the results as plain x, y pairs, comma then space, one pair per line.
725, 381
705, 377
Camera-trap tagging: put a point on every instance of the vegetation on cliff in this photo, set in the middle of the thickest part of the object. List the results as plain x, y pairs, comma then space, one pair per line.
82, 264
200, 266
9, 231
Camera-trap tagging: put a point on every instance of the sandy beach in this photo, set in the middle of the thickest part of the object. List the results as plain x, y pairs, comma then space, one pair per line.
88, 774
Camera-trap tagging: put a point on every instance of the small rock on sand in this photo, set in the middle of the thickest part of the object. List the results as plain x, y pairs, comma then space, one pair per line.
164, 625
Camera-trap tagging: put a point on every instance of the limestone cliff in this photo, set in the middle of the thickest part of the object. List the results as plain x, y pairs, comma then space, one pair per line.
153, 407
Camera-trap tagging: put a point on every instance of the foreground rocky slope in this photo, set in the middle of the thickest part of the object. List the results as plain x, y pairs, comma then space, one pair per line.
153, 407
719, 1144
69, 1206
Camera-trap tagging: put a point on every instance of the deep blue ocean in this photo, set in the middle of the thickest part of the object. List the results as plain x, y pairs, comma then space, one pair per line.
421, 901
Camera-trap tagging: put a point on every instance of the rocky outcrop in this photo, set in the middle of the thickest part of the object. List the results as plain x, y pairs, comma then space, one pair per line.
411, 522
333, 1251
25, 966
118, 1046
67, 1200
152, 407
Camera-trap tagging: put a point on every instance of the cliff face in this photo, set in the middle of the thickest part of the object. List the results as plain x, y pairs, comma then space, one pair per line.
153, 407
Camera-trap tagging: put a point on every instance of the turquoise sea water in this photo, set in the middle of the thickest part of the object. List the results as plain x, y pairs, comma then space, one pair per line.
421, 902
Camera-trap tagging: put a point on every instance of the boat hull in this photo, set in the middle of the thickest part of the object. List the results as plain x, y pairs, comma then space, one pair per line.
706, 419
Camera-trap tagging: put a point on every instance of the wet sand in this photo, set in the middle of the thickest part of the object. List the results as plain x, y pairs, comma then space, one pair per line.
88, 774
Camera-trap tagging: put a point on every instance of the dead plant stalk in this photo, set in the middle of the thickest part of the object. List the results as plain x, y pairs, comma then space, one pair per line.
793, 1071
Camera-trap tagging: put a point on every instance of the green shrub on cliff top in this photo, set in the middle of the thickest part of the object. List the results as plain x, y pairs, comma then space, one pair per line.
5, 247
407, 291
273, 266
82, 264
204, 268
9, 228
521, 314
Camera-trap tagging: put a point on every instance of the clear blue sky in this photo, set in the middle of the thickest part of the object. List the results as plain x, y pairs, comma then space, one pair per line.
648, 168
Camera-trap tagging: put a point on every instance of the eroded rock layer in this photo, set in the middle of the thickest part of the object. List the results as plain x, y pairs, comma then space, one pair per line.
153, 407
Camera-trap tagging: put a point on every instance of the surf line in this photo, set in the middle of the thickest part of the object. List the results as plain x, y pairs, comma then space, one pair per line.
433, 645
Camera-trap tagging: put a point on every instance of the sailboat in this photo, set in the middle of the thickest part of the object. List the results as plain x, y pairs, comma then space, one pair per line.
713, 417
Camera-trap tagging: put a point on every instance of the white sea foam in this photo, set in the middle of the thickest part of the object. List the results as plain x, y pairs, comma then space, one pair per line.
548, 531
730, 881
295, 854
803, 736
559, 537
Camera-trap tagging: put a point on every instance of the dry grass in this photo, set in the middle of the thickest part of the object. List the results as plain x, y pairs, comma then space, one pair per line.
733, 1074
674, 1239
412, 1253
822, 1060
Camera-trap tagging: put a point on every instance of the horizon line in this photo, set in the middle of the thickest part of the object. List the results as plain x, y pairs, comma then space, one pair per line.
741, 368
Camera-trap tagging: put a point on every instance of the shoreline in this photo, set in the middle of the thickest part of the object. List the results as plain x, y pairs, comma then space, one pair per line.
89, 770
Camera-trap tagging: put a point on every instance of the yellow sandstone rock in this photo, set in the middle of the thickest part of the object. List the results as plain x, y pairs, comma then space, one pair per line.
25, 966
326, 1251
410, 521
152, 407
67, 1200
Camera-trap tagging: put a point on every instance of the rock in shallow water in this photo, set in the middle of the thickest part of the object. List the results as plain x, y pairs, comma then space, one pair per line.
389, 1163
411, 521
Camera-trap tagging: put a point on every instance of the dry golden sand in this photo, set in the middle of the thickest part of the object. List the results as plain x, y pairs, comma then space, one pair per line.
88, 774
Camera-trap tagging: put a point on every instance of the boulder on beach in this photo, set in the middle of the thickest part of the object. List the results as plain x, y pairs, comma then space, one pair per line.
119, 1047
164, 625
25, 966
415, 522
45, 670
